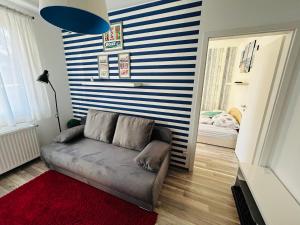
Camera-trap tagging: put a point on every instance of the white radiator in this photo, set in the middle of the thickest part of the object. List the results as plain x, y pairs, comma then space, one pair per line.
18, 147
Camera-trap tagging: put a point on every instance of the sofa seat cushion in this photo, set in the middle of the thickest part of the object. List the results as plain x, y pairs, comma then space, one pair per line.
106, 164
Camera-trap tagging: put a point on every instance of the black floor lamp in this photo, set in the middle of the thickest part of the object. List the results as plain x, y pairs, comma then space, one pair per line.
44, 78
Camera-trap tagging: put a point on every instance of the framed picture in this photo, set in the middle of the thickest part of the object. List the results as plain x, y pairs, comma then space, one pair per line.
253, 48
103, 66
124, 65
113, 39
247, 57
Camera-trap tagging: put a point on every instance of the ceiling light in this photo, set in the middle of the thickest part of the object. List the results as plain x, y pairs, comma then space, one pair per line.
80, 16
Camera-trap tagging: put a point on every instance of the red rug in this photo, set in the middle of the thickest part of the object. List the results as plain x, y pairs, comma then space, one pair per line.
55, 199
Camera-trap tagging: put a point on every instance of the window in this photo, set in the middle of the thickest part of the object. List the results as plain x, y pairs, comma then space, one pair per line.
13, 97
21, 98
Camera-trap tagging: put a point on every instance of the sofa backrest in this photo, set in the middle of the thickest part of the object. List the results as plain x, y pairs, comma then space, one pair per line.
159, 133
162, 134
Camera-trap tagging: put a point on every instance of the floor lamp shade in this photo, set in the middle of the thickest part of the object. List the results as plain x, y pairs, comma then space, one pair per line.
44, 78
80, 16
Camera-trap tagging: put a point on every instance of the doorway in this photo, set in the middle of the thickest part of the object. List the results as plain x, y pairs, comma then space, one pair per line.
242, 78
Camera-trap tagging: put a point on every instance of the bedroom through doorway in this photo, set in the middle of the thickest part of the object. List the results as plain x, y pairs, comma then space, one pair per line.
225, 91
239, 75
242, 76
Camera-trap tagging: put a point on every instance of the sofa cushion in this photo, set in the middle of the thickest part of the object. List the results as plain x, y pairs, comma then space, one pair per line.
70, 134
100, 125
153, 155
133, 132
106, 164
162, 134
83, 120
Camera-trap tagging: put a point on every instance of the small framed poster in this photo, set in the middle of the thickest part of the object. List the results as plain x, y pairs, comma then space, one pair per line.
103, 66
113, 39
247, 57
124, 65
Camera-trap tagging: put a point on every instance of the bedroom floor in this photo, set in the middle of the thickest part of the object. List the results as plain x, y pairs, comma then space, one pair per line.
199, 198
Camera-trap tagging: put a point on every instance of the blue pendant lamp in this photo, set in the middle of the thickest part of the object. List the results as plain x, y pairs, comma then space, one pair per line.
80, 16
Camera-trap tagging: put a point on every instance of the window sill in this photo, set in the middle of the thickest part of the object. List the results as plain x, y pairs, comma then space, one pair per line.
267, 191
18, 127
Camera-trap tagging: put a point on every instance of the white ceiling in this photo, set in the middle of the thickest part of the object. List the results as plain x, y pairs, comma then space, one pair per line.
111, 4
33, 2
119, 4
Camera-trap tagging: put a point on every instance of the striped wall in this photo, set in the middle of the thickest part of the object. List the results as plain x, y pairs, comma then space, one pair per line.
162, 38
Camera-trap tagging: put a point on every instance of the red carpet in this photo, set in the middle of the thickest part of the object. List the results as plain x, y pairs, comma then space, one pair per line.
55, 199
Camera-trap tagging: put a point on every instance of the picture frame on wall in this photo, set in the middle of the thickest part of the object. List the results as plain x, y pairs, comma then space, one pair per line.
113, 39
124, 65
103, 66
253, 46
247, 57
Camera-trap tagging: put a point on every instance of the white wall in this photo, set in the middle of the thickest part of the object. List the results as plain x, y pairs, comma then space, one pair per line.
52, 57
261, 78
51, 51
232, 14
286, 158
220, 15
238, 95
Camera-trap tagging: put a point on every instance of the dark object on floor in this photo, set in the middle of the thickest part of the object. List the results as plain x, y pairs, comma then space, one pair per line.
242, 208
55, 199
73, 123
248, 211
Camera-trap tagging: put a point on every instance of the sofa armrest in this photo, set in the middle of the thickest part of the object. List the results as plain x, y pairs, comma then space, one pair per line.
70, 134
153, 155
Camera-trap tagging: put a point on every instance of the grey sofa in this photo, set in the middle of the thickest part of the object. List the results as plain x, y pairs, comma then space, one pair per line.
112, 168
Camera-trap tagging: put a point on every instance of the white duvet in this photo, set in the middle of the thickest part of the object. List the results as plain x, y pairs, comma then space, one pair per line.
221, 130
220, 136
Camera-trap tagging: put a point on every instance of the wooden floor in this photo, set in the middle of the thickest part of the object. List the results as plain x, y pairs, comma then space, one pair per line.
199, 198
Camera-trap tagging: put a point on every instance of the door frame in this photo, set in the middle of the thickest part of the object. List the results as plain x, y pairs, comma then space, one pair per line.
273, 111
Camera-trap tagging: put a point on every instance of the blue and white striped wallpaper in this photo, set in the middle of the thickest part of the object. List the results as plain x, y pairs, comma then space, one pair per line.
162, 38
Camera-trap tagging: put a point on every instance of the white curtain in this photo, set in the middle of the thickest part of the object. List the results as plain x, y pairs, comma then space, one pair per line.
218, 72
22, 98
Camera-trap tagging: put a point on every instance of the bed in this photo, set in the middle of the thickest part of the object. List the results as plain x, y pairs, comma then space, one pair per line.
219, 128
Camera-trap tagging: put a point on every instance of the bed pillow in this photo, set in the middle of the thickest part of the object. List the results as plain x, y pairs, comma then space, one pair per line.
205, 120
211, 113
133, 132
100, 125
225, 120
